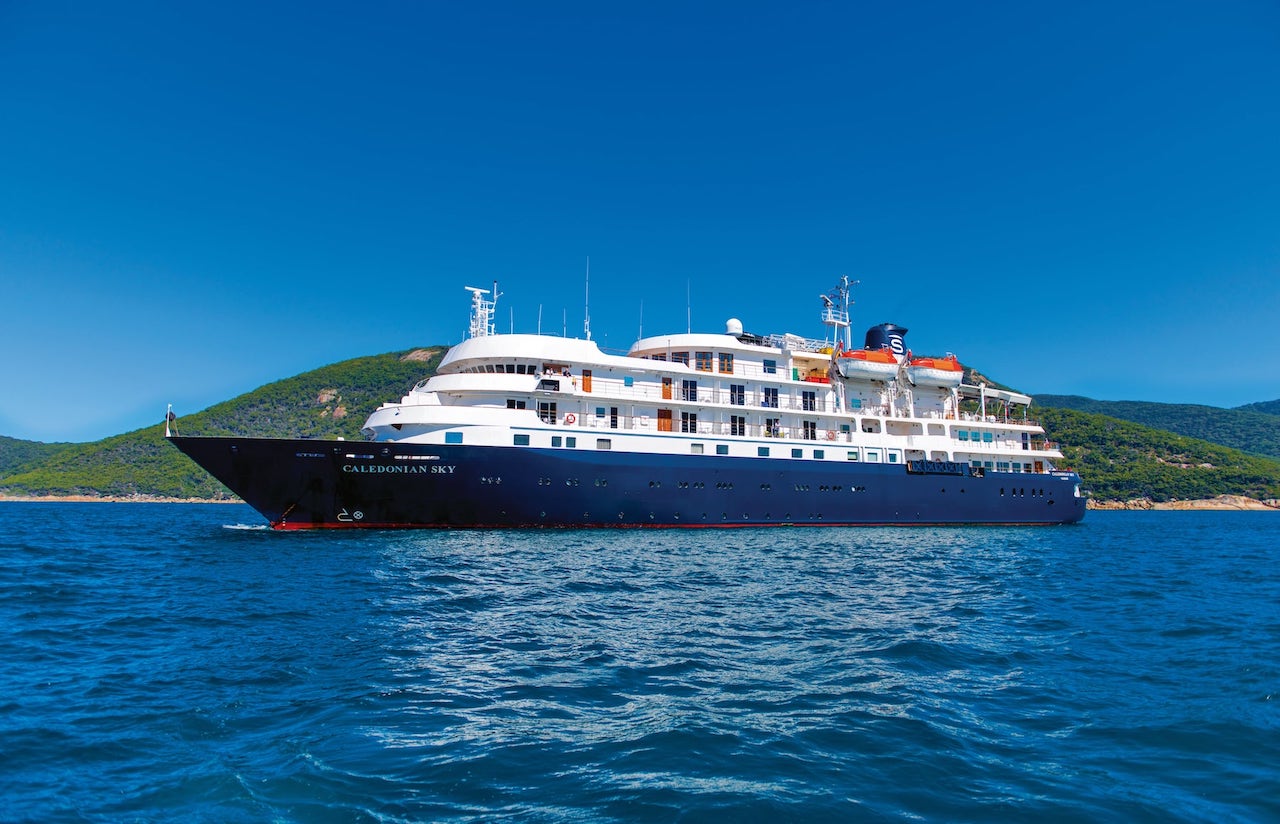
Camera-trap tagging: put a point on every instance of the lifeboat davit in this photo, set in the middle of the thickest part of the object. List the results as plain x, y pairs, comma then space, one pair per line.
935, 371
867, 364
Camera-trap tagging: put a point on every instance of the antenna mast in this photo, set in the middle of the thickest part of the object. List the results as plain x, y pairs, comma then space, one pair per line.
586, 310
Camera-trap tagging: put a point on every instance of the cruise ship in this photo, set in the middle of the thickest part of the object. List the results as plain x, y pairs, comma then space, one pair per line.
683, 430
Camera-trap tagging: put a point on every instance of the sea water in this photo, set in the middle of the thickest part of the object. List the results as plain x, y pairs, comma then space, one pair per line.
182, 662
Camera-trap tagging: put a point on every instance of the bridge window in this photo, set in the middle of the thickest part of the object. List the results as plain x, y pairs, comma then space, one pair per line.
726, 363
702, 361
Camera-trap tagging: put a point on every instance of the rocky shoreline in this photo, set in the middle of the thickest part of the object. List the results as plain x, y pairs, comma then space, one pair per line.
1222, 503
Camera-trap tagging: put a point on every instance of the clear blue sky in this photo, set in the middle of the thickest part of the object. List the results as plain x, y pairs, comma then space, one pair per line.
197, 199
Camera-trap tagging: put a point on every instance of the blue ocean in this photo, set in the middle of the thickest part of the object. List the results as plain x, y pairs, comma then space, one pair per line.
182, 662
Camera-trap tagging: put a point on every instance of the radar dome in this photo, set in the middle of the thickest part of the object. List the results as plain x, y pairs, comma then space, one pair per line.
733, 326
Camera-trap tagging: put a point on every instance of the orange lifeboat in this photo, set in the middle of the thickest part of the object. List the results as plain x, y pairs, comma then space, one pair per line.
935, 371
867, 364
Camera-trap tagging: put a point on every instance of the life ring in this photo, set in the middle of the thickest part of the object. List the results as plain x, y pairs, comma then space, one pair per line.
569, 419
831, 434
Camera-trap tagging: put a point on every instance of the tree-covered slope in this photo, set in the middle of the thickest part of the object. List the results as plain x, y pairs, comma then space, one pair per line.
1265, 407
327, 402
1249, 431
1122, 460
15, 453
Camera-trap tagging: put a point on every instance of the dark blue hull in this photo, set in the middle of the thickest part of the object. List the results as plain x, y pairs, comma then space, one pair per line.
301, 484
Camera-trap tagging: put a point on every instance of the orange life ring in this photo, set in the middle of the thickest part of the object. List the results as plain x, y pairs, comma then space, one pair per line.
569, 419
831, 434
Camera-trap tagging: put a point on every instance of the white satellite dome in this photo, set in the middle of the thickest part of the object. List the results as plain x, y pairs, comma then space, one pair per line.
733, 326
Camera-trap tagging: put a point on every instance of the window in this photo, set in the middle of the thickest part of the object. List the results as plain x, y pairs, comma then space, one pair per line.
737, 394
453, 437
659, 357
680, 357
547, 411
962, 434
571, 442
819, 453
722, 449
689, 390
726, 363
810, 430
771, 427
770, 367
613, 417
513, 404
851, 455
737, 425
556, 440
808, 401
599, 411
762, 451
769, 397
797, 453
520, 440
702, 361
986, 437
604, 443
873, 456
893, 457
627, 380
688, 422
695, 449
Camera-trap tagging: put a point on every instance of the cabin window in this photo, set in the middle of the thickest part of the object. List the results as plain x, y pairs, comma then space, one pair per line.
680, 357
797, 453
762, 451
819, 453
689, 390
514, 404
855, 403
986, 437
893, 456
769, 397
852, 455
844, 428
604, 443
808, 401
810, 430
962, 434
599, 411
688, 422
695, 449
737, 394
873, 456
571, 442
547, 411
556, 440
658, 357
737, 425
627, 380
520, 440
702, 361
771, 427
1002, 466
770, 367
722, 449
453, 437
726, 363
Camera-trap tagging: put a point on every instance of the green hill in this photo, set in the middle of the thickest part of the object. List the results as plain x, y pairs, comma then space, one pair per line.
1246, 428
1265, 407
1121, 460
328, 402
16, 454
